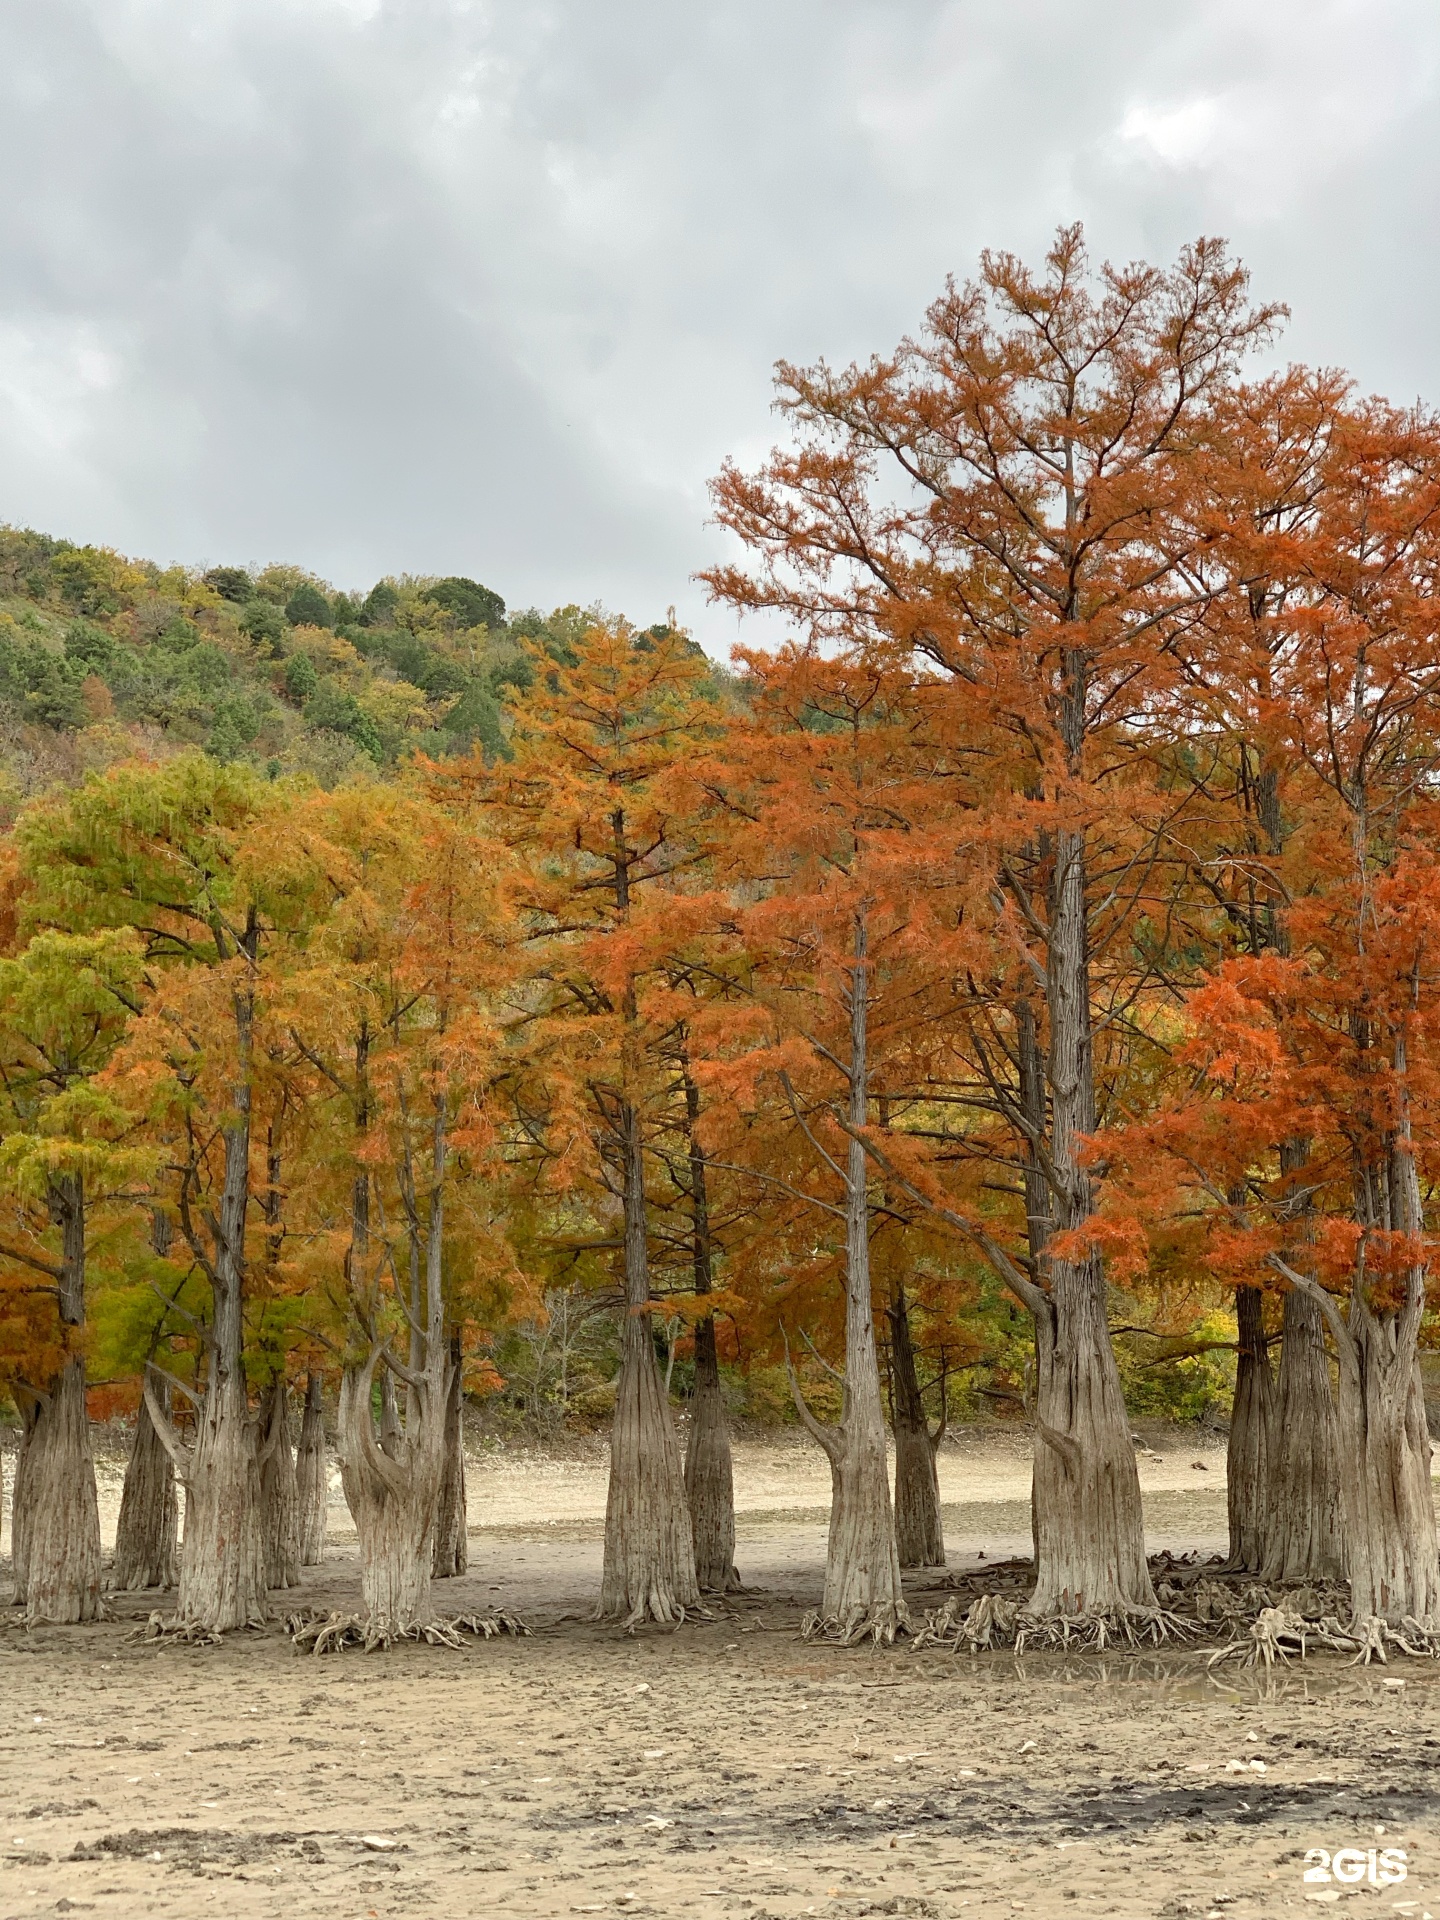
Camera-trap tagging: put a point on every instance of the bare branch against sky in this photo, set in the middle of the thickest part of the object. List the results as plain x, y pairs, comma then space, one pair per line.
436, 285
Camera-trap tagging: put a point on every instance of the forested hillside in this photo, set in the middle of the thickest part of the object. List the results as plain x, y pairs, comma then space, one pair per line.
101, 656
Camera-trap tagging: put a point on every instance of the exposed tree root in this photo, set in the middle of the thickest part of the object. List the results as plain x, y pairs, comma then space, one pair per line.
1283, 1633
174, 1631
993, 1621
1267, 1623
314, 1632
880, 1625
989, 1622
674, 1617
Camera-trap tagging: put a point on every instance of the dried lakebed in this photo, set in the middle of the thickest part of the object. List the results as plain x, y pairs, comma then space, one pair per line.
725, 1769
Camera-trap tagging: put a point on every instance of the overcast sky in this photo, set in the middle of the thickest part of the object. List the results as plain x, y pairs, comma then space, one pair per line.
445, 286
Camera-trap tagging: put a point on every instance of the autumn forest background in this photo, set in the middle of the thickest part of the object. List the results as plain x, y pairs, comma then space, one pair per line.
1011, 994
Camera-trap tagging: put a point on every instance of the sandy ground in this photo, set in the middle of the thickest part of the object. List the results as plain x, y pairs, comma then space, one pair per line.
726, 1769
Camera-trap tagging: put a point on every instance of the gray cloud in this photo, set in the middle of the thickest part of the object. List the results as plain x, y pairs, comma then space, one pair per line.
432, 285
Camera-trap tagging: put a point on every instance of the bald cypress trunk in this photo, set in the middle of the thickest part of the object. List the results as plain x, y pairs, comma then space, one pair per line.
62, 1576
1247, 1467
1089, 1525
391, 1492
919, 1536
312, 1481
709, 1474
452, 1538
863, 1595
649, 1562
1305, 1537
147, 1535
279, 1495
22, 1502
1384, 1443
222, 1554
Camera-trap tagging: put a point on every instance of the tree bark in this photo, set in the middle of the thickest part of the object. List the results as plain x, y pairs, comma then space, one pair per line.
919, 1536
1305, 1539
649, 1563
312, 1481
62, 1575
279, 1494
863, 1595
222, 1554
452, 1538
1088, 1521
22, 1504
1385, 1479
1247, 1467
392, 1498
1384, 1441
148, 1532
709, 1472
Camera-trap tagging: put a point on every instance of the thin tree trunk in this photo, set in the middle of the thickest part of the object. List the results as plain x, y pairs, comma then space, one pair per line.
649, 1564
147, 1534
1089, 1523
452, 1539
709, 1472
279, 1496
312, 1481
22, 1503
919, 1536
1247, 1468
1305, 1541
863, 1595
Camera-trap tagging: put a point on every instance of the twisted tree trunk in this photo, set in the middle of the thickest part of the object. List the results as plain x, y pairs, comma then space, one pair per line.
649, 1564
279, 1495
148, 1532
452, 1538
392, 1497
312, 1482
919, 1536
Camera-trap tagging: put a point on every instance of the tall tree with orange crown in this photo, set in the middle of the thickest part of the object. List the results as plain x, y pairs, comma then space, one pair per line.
844, 908
586, 809
1329, 1038
1016, 505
